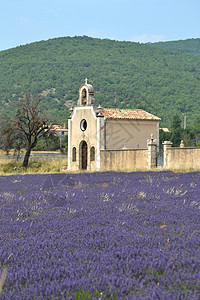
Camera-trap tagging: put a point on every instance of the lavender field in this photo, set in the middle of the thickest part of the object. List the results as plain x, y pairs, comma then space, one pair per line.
100, 236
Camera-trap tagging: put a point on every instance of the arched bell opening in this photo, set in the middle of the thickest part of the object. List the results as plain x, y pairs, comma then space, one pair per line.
84, 97
83, 155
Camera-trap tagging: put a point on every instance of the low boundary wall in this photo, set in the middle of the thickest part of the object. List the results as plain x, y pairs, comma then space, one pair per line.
126, 160
183, 158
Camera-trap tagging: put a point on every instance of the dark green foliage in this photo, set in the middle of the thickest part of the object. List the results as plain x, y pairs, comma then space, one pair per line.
196, 129
187, 138
176, 131
164, 136
124, 75
194, 133
190, 135
50, 144
187, 46
65, 143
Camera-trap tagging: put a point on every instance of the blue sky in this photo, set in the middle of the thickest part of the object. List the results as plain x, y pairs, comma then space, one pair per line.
26, 21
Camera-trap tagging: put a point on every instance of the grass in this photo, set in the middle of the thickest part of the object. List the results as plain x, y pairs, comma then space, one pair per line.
55, 164
41, 165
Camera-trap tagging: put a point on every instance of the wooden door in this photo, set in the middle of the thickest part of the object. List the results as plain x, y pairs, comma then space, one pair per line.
84, 155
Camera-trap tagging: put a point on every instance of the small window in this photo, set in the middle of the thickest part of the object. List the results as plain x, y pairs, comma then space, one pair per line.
74, 154
92, 153
83, 125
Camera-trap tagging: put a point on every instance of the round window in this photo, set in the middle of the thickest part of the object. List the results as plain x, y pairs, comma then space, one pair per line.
83, 125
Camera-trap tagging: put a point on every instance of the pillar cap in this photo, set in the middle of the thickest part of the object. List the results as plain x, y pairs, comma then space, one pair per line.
167, 143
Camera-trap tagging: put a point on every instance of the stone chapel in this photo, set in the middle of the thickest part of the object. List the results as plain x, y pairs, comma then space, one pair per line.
99, 138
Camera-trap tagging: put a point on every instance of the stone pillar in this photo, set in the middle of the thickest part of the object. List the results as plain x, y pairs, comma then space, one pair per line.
152, 153
182, 144
166, 146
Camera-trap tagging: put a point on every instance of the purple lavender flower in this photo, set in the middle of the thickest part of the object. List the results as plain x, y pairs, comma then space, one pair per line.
100, 235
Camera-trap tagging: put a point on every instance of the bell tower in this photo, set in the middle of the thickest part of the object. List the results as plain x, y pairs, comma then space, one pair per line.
86, 95
85, 132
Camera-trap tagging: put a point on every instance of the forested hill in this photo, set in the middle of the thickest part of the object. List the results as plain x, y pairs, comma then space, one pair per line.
124, 75
187, 46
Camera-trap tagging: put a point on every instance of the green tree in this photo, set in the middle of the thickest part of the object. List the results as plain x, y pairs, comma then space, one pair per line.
187, 138
163, 136
52, 143
176, 131
196, 130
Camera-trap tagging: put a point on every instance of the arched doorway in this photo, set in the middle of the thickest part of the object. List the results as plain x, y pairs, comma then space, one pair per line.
83, 154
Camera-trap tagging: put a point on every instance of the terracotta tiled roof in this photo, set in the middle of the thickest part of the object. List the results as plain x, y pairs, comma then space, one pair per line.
57, 128
134, 114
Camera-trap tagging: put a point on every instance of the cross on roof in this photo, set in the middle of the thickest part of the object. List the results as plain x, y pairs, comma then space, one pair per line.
86, 80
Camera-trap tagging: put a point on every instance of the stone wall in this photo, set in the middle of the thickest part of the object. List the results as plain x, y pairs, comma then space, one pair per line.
124, 160
183, 158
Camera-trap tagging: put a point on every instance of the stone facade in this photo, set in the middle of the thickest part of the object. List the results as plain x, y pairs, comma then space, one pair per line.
132, 134
108, 139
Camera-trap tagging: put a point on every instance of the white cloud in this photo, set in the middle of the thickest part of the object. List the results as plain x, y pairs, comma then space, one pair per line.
148, 38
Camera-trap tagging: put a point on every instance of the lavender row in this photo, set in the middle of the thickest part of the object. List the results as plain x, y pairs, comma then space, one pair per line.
102, 236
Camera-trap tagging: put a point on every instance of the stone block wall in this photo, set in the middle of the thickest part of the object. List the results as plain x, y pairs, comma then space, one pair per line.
124, 160
183, 158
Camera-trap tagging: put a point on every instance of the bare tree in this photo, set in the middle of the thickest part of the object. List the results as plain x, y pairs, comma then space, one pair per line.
30, 124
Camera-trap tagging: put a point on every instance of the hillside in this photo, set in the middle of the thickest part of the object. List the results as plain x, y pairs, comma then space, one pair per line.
187, 46
124, 74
